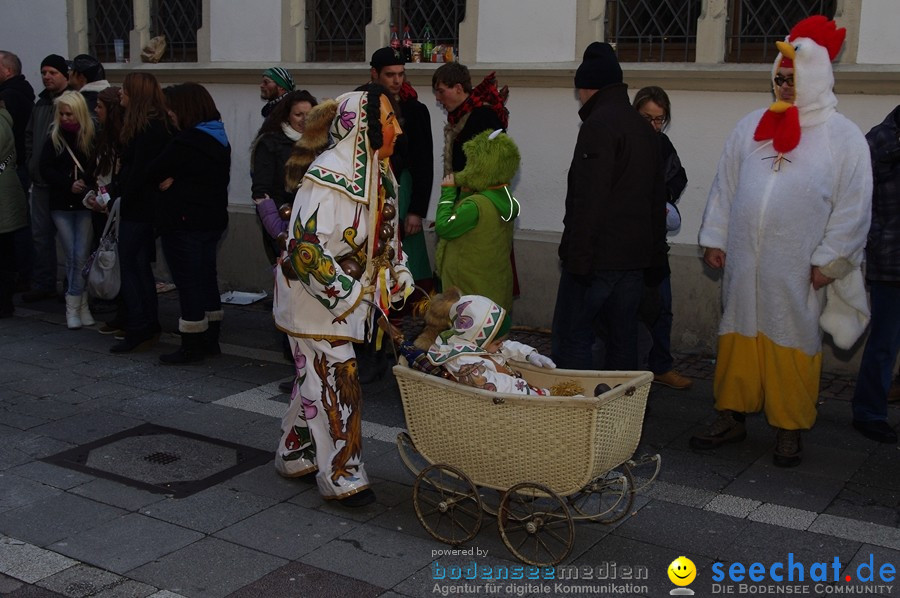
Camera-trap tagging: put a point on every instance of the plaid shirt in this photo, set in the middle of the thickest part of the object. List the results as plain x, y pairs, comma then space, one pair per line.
883, 247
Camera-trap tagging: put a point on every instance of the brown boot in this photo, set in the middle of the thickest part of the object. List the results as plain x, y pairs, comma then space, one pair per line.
728, 427
788, 448
673, 379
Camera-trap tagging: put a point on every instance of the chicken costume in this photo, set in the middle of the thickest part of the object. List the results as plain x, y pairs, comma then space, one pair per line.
792, 191
345, 193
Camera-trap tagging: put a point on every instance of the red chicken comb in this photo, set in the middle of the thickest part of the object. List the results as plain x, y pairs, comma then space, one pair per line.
822, 31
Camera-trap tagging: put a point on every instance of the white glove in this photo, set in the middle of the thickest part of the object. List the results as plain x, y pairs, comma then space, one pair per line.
405, 285
540, 361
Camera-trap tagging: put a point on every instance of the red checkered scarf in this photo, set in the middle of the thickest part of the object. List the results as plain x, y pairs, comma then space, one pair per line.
484, 94
407, 92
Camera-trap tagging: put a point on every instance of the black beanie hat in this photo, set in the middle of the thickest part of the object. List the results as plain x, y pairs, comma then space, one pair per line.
386, 57
599, 68
57, 62
88, 66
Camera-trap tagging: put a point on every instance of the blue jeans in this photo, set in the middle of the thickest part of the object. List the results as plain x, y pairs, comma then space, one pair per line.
137, 250
877, 365
75, 233
44, 236
610, 297
191, 256
660, 360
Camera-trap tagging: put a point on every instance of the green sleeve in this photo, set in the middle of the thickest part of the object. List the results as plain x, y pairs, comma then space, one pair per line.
452, 221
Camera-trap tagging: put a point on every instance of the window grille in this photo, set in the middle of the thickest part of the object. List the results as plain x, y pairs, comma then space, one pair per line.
755, 25
337, 30
443, 16
653, 30
179, 21
108, 20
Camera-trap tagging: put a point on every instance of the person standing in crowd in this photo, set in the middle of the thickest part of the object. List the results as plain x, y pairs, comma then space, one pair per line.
873, 382
614, 224
412, 162
145, 133
268, 154
13, 211
193, 172
110, 117
653, 104
55, 77
88, 76
324, 277
276, 82
787, 216
64, 163
18, 94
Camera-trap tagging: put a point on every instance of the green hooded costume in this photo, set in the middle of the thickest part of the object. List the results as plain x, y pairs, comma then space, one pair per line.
475, 230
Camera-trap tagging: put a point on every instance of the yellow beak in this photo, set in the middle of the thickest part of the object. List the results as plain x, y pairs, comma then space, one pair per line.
786, 49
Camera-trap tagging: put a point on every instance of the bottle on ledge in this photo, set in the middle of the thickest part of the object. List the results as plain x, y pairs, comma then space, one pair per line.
427, 44
407, 44
395, 40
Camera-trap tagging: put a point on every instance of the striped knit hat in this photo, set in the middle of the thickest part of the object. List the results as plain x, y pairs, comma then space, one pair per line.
281, 77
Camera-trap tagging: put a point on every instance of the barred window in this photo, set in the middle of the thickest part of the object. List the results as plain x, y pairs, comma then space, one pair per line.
755, 25
179, 21
337, 30
108, 20
442, 16
653, 30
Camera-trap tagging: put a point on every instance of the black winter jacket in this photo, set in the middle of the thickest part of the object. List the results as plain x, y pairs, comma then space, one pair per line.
269, 157
36, 133
139, 193
883, 246
59, 172
198, 199
19, 97
615, 203
414, 152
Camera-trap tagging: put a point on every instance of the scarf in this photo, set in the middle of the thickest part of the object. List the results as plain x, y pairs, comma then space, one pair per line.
484, 94
290, 133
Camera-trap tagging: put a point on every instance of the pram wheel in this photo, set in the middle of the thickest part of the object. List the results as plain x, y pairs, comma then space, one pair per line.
447, 504
606, 499
535, 524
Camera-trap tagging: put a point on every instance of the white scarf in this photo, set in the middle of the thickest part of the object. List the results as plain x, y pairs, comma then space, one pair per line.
290, 133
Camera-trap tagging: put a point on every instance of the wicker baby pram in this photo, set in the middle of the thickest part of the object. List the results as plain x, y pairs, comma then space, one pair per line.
553, 460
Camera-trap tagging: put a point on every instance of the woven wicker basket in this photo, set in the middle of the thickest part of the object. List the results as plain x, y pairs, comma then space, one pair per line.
499, 440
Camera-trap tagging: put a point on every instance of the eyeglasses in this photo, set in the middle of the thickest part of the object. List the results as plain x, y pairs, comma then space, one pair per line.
654, 120
779, 80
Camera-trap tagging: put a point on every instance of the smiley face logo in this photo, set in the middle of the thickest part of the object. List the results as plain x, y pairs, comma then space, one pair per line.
682, 571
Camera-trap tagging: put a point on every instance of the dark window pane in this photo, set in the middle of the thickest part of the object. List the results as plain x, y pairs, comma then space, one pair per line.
336, 30
755, 25
179, 21
108, 20
653, 30
443, 16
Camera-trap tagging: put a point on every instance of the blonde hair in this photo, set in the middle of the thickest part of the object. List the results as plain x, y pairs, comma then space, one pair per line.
85, 136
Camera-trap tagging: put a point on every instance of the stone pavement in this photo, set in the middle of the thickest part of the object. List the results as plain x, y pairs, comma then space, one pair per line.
71, 531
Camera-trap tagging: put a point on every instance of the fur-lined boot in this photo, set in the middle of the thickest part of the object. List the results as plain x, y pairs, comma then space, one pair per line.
193, 343
73, 311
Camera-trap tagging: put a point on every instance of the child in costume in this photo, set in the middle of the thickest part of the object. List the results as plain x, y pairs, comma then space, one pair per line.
475, 350
476, 231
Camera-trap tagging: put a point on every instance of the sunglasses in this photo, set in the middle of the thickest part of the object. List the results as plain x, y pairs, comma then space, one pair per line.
779, 80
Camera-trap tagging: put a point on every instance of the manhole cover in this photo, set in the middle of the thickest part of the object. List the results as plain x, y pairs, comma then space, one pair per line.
162, 460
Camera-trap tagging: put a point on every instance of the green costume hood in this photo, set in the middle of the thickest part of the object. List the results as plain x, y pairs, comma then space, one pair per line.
492, 159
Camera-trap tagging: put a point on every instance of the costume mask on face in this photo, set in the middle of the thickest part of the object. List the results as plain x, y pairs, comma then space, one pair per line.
390, 129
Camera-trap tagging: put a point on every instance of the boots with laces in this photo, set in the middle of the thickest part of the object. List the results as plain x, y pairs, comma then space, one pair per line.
728, 427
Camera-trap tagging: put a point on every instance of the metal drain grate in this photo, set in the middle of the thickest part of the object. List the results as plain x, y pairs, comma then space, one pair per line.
162, 460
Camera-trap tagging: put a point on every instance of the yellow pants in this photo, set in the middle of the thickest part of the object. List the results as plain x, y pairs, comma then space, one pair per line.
753, 373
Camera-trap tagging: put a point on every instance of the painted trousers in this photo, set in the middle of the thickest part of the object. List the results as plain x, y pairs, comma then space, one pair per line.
322, 428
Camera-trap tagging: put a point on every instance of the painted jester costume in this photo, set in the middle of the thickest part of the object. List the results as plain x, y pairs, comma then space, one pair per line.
343, 248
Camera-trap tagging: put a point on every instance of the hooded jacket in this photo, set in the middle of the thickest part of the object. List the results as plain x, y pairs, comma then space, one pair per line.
199, 161
13, 214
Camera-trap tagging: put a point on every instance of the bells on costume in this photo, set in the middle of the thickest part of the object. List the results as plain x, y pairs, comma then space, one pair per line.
386, 232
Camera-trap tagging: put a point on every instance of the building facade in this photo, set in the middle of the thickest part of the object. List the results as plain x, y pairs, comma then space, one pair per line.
713, 57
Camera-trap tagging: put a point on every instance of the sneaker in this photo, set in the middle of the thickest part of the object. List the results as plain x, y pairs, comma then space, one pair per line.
112, 328
359, 499
673, 379
877, 430
728, 427
788, 448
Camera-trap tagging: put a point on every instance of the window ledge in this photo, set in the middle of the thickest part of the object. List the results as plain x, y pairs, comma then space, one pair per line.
866, 79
